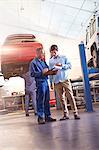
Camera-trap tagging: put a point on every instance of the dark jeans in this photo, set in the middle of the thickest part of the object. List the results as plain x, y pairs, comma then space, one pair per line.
43, 97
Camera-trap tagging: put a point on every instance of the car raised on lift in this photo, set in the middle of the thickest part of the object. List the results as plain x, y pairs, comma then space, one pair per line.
17, 52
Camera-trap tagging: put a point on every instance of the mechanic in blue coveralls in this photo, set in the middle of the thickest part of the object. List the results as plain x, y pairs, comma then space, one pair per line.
39, 69
30, 92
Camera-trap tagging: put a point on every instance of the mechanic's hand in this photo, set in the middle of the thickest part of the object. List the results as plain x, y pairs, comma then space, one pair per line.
49, 72
45, 71
52, 72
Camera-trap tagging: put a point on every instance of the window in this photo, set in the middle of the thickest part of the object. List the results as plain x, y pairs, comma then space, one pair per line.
92, 27
87, 36
98, 21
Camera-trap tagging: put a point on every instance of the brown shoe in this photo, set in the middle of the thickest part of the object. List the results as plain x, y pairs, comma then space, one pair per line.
77, 117
64, 118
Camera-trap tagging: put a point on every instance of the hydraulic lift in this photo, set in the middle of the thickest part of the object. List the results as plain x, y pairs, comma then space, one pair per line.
86, 72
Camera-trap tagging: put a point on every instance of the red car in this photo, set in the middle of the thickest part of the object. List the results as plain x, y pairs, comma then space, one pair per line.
17, 51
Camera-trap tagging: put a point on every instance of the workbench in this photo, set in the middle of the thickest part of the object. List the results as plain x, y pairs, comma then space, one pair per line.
13, 101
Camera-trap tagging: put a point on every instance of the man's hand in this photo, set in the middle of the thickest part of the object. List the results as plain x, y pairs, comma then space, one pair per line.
58, 64
45, 70
49, 72
52, 72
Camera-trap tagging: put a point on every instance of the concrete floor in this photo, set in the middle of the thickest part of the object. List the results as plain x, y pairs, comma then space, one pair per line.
20, 133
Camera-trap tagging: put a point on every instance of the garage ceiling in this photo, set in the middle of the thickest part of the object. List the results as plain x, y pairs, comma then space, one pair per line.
66, 18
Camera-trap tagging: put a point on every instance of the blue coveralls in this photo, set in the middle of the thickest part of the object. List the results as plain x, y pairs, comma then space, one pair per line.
42, 93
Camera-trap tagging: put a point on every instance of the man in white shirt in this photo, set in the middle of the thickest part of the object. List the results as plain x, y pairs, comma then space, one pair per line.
61, 81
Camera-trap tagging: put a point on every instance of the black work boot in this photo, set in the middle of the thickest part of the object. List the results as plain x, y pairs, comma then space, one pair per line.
41, 120
49, 119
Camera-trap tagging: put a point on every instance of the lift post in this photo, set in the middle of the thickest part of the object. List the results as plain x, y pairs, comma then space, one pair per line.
87, 91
